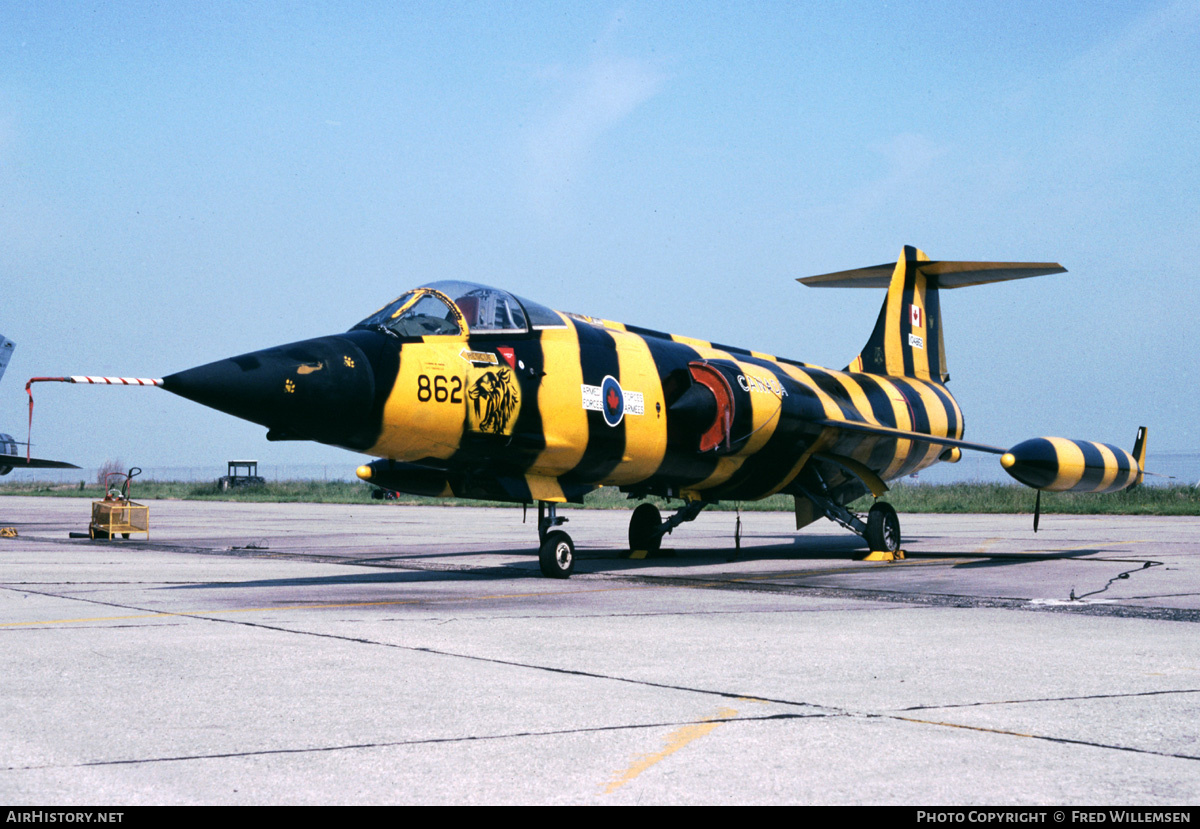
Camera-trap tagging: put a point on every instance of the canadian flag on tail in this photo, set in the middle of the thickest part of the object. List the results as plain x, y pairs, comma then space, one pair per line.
915, 316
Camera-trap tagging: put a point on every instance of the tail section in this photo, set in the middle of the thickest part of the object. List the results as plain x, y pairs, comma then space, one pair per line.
6, 350
907, 339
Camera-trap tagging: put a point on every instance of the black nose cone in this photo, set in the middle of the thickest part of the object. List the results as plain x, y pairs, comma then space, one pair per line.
321, 389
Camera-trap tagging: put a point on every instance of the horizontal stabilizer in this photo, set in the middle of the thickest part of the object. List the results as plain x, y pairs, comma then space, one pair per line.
10, 457
19, 462
949, 274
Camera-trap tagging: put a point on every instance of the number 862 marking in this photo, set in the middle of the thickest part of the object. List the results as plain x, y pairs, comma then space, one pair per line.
439, 389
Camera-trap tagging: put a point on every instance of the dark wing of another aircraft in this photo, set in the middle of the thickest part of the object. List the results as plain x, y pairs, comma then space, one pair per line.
10, 458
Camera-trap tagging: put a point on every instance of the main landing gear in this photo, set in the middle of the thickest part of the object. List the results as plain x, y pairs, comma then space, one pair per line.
881, 530
647, 528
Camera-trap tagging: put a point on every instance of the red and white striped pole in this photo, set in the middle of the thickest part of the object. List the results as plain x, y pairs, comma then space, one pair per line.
79, 378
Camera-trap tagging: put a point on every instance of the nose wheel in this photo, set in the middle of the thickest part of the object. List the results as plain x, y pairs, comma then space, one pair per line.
556, 550
557, 555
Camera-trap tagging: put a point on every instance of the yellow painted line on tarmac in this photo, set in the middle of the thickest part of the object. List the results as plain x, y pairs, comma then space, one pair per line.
95, 619
203, 613
677, 739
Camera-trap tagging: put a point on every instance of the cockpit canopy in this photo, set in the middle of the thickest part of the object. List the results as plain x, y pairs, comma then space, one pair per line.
456, 308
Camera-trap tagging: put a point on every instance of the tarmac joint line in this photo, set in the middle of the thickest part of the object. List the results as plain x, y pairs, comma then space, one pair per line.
1045, 737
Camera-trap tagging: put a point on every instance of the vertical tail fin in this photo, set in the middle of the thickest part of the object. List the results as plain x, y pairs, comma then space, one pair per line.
6, 350
907, 338
1139, 454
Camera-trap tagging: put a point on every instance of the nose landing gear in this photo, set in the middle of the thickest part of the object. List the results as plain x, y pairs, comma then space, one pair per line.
556, 553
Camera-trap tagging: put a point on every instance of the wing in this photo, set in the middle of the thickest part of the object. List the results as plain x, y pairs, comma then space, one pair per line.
916, 437
36, 463
11, 458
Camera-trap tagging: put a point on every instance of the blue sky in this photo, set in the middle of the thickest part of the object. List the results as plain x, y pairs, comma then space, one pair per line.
181, 182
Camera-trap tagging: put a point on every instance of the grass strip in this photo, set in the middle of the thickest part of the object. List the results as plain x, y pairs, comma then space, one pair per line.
906, 498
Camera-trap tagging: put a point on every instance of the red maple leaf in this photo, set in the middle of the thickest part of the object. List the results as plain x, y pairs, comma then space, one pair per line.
613, 400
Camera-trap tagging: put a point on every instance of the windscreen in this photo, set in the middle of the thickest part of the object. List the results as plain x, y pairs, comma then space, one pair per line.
415, 314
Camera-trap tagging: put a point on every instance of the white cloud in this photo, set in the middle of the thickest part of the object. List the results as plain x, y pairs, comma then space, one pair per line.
593, 102
911, 163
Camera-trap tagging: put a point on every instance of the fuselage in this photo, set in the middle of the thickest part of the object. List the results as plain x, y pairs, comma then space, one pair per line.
435, 413
518, 402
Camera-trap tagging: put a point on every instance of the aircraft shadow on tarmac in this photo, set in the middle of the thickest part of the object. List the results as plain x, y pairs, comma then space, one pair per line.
519, 563
832, 548
1009, 559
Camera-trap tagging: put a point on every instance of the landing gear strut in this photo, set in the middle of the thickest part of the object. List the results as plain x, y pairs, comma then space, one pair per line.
556, 553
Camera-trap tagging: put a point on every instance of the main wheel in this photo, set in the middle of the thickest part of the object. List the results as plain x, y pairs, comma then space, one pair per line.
557, 555
883, 528
643, 526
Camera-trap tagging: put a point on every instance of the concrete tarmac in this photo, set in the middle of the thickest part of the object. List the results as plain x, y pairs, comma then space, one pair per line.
299, 653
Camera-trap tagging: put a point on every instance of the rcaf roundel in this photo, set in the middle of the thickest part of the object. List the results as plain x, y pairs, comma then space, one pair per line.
612, 398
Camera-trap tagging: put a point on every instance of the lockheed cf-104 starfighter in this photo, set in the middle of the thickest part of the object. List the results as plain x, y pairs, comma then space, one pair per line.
469, 391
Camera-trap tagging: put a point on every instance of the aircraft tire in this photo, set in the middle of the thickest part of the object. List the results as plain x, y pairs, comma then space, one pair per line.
883, 528
646, 519
557, 555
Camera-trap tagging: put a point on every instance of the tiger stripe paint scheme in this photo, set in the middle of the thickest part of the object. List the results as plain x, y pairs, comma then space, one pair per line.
465, 390
782, 411
778, 408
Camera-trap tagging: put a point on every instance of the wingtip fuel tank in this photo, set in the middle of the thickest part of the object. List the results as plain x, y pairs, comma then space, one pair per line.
1062, 465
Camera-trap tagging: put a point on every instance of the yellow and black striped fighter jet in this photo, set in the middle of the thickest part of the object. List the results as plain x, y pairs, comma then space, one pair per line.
465, 390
